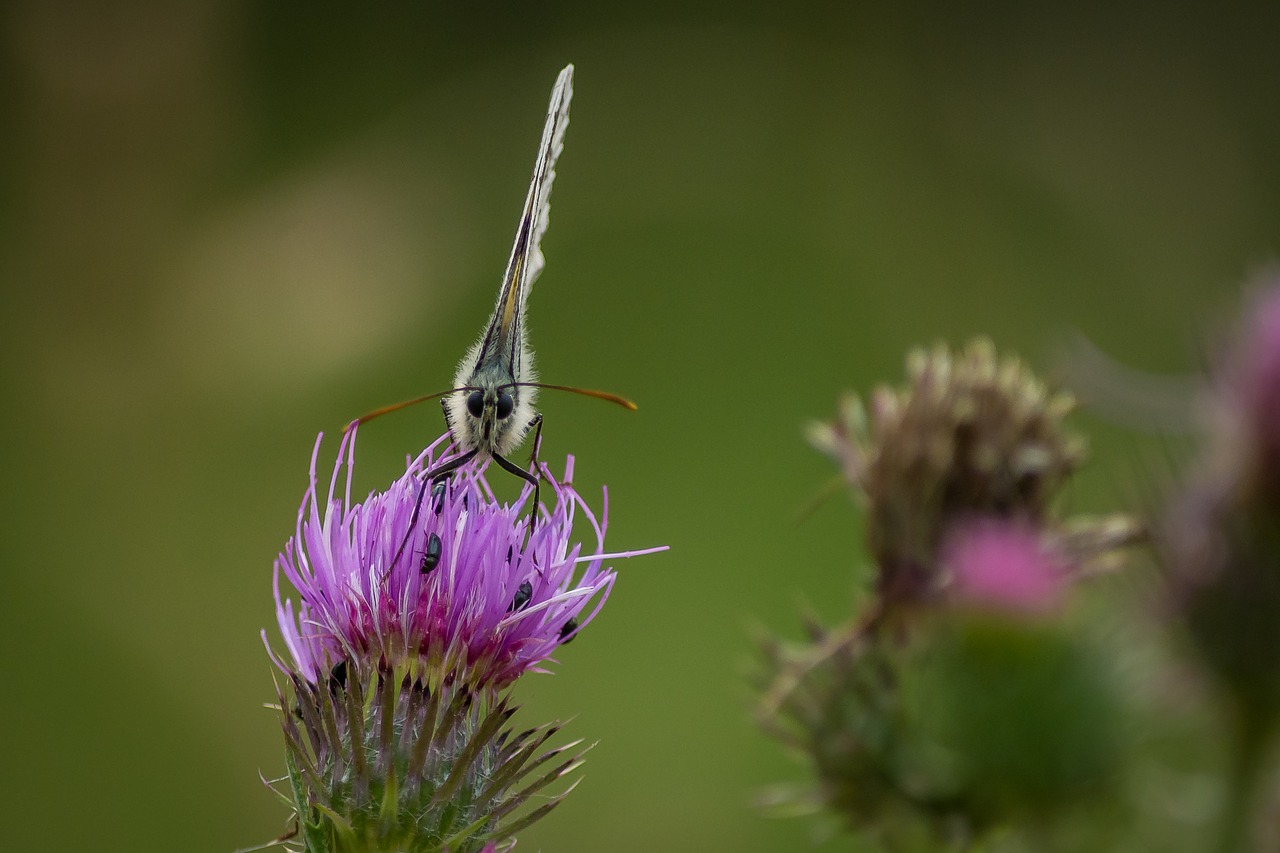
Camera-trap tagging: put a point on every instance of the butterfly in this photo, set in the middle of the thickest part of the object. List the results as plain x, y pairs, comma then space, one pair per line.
490, 408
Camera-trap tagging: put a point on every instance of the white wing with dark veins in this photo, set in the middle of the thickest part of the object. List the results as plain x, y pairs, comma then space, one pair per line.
504, 337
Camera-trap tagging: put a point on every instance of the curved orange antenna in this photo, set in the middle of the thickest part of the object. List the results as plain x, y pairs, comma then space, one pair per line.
586, 392
395, 407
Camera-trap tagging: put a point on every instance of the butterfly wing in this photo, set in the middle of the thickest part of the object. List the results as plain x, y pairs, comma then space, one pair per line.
503, 342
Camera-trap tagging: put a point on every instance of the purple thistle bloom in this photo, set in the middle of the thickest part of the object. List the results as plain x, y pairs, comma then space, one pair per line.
472, 594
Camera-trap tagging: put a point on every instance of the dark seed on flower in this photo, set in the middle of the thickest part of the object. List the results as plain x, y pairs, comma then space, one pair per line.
437, 496
566, 633
431, 557
523, 594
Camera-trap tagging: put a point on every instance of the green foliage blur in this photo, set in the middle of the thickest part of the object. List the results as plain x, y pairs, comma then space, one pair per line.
226, 226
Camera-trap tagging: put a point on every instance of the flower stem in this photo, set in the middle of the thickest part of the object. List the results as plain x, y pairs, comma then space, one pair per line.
1249, 748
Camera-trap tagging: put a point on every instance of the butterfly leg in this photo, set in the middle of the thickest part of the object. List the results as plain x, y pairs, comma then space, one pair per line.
434, 475
536, 423
532, 479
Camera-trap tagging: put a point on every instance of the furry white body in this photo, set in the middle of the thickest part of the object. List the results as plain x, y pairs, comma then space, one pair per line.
501, 359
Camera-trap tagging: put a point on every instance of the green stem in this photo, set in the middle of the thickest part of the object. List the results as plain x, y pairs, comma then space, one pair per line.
1249, 748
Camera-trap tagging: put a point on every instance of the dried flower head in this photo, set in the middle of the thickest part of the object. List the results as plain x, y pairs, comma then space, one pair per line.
971, 434
418, 607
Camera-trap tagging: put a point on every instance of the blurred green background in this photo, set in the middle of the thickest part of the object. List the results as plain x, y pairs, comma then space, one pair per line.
225, 226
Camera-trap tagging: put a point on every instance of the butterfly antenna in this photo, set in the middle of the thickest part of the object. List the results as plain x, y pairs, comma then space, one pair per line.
586, 392
395, 407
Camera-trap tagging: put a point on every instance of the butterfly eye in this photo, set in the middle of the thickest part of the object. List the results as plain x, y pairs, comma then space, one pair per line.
475, 403
505, 405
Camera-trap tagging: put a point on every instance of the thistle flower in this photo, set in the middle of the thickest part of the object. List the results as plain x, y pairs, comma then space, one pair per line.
958, 471
1219, 543
1221, 534
417, 609
473, 592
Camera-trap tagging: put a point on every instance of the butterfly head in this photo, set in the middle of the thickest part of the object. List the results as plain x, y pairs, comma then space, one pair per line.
490, 411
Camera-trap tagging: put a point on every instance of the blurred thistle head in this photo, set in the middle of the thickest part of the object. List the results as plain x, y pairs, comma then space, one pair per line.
958, 470
1219, 538
969, 434
394, 705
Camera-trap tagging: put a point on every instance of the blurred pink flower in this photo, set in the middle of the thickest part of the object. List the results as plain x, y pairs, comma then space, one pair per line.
1003, 566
